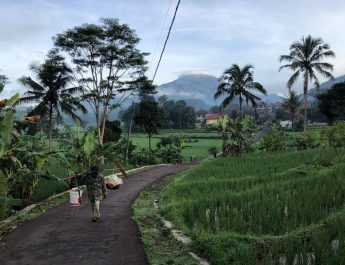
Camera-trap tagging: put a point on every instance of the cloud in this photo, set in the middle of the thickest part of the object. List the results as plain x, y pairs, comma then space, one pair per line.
193, 72
207, 35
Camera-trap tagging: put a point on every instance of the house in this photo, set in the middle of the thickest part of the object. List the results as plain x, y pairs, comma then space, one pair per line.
200, 120
34, 118
212, 119
286, 124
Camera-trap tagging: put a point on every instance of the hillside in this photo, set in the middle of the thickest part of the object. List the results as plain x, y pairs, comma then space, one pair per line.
324, 86
198, 91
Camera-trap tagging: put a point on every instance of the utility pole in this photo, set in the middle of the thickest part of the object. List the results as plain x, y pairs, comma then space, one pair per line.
129, 132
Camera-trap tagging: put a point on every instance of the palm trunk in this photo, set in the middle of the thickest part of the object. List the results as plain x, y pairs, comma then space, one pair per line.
240, 106
305, 90
50, 126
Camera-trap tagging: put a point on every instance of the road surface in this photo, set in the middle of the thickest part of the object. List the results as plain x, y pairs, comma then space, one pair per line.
66, 235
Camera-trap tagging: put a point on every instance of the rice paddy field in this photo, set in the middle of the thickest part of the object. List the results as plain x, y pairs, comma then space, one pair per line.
263, 208
198, 147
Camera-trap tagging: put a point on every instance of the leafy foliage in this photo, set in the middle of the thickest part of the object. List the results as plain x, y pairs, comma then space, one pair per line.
305, 58
239, 82
112, 131
108, 64
332, 102
335, 135
235, 135
275, 140
170, 149
213, 150
292, 105
52, 91
149, 117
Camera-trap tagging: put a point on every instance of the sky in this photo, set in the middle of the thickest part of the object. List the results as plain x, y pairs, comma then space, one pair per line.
208, 35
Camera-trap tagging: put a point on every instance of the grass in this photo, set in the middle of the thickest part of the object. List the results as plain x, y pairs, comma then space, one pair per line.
259, 208
197, 149
160, 246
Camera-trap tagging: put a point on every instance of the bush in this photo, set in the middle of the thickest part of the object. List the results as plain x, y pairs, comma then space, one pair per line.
275, 140
308, 140
213, 150
170, 149
143, 157
335, 135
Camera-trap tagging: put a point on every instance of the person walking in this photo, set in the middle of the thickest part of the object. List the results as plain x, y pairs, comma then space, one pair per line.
96, 190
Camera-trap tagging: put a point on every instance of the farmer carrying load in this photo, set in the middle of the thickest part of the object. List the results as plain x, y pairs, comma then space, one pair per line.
96, 190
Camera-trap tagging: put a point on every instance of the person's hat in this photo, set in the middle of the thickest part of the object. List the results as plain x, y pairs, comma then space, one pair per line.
94, 169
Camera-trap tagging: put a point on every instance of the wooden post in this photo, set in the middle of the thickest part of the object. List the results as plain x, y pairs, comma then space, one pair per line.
119, 166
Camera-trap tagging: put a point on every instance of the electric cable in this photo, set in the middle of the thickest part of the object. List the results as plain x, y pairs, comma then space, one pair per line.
160, 34
166, 40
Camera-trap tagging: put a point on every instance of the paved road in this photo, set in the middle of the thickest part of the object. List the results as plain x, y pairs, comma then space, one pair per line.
66, 235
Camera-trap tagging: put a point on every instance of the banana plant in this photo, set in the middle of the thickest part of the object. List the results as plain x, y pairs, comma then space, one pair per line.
81, 151
7, 150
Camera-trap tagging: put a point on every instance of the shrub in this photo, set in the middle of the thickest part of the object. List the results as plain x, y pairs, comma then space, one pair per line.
275, 140
213, 150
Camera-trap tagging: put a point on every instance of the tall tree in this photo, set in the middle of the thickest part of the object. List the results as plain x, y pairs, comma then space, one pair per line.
51, 91
292, 104
306, 58
149, 117
108, 64
239, 82
332, 102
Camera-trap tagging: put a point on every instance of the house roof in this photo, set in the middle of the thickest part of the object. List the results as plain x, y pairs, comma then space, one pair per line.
33, 118
212, 116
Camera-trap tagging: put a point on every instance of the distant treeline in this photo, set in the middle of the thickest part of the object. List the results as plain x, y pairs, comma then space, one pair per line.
176, 114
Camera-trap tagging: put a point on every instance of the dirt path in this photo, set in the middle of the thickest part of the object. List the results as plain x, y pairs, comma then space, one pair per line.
66, 235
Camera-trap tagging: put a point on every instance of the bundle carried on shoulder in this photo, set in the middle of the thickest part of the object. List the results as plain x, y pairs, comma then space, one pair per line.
113, 182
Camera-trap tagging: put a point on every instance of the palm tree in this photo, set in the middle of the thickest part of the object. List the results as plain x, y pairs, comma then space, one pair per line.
306, 58
239, 82
292, 103
51, 91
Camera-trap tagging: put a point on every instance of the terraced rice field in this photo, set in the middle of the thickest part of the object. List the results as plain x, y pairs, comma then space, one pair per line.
267, 208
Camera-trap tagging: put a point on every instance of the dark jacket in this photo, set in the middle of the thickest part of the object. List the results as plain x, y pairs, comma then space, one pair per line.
95, 186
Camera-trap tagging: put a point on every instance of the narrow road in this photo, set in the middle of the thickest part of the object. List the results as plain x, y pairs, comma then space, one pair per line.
66, 235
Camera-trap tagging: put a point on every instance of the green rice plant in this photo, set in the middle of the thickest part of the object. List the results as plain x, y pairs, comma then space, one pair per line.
263, 208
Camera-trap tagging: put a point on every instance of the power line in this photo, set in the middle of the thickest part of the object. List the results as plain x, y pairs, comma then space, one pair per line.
165, 43
160, 34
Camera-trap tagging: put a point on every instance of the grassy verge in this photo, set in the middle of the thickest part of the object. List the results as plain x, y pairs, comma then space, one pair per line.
160, 246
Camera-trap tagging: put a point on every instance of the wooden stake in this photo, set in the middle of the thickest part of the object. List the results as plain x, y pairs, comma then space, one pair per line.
119, 166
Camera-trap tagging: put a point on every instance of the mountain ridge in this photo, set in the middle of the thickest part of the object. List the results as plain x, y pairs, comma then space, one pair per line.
198, 90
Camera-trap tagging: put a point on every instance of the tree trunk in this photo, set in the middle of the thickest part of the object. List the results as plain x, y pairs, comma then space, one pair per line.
150, 151
305, 90
240, 106
129, 133
3, 193
50, 126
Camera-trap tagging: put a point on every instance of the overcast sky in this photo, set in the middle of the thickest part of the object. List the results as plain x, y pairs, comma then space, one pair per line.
208, 35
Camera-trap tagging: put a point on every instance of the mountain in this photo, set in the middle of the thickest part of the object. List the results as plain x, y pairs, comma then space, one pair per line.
324, 86
198, 90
